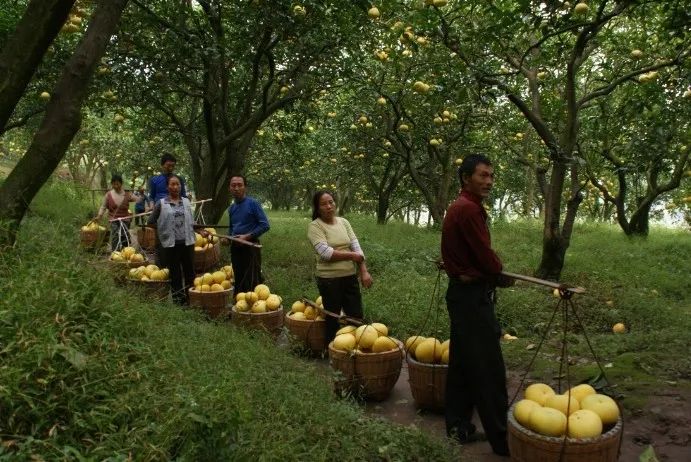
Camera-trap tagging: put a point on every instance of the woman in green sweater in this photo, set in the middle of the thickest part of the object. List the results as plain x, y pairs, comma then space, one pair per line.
340, 261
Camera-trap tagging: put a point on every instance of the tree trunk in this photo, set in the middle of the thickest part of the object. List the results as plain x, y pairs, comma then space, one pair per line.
24, 50
553, 245
61, 122
383, 200
639, 225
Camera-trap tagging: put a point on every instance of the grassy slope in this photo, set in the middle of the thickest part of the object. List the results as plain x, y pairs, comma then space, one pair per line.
88, 369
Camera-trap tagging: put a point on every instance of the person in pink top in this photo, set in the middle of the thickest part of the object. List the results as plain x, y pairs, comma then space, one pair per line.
117, 203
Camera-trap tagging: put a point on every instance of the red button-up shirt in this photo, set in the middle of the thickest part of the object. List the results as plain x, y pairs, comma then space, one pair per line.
465, 242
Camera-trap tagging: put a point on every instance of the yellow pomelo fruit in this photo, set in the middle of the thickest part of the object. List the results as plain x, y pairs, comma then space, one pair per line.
137, 257
547, 421
445, 357
381, 328
539, 392
240, 296
563, 403
259, 307
344, 342
581, 391
319, 300
602, 405
262, 291
205, 288
522, 410
218, 276
300, 316
382, 344
251, 297
226, 284
273, 302
197, 282
310, 313
127, 252
346, 330
216, 288
412, 343
298, 307
208, 278
584, 424
445, 344
365, 336
241, 306
428, 351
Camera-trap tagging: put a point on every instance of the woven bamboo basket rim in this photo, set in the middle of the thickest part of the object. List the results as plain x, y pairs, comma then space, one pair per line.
410, 360
369, 357
130, 264
150, 281
266, 313
297, 321
610, 434
200, 292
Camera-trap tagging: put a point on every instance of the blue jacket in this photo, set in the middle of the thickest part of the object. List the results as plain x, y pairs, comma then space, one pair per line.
158, 187
247, 217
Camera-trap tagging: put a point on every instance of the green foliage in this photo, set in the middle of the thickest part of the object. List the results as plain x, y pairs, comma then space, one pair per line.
90, 371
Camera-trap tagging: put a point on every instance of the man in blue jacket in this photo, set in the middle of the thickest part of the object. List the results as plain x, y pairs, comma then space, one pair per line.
158, 184
247, 222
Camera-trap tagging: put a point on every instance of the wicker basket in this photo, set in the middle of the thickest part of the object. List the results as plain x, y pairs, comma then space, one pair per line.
310, 333
146, 237
214, 304
369, 375
154, 290
92, 240
121, 269
427, 384
528, 446
271, 321
206, 259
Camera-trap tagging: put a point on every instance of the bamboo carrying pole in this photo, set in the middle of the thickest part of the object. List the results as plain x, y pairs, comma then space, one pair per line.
544, 282
343, 319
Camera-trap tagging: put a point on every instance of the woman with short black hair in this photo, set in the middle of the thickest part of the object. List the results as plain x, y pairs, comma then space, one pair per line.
117, 203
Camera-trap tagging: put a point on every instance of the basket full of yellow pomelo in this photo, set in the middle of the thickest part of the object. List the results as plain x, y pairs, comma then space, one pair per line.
428, 365
579, 425
307, 325
213, 292
258, 309
120, 262
153, 281
207, 252
93, 236
368, 361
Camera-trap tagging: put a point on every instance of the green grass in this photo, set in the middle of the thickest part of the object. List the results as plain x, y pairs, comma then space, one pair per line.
91, 371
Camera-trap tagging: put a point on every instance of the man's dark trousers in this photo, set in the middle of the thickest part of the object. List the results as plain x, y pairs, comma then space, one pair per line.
477, 375
247, 267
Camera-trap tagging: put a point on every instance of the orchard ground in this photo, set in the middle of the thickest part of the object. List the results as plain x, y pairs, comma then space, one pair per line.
101, 371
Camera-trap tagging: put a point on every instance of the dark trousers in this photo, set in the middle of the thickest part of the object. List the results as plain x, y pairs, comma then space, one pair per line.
180, 261
119, 234
477, 375
340, 294
247, 267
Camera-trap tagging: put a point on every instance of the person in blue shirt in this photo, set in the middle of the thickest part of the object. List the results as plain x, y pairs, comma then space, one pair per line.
158, 189
158, 184
247, 222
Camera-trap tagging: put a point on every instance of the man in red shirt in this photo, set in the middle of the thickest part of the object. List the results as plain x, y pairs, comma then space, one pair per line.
477, 376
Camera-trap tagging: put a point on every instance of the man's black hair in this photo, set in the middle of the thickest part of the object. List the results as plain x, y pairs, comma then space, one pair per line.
470, 163
116, 177
168, 157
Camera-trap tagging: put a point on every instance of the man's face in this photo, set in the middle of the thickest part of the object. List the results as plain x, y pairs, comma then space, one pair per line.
237, 187
168, 166
481, 181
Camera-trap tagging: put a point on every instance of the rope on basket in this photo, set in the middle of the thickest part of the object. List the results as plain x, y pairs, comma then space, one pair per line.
567, 306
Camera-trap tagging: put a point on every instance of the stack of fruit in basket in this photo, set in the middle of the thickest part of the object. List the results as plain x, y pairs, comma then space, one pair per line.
92, 226
260, 300
428, 350
216, 281
301, 312
203, 243
545, 412
367, 338
127, 254
149, 273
